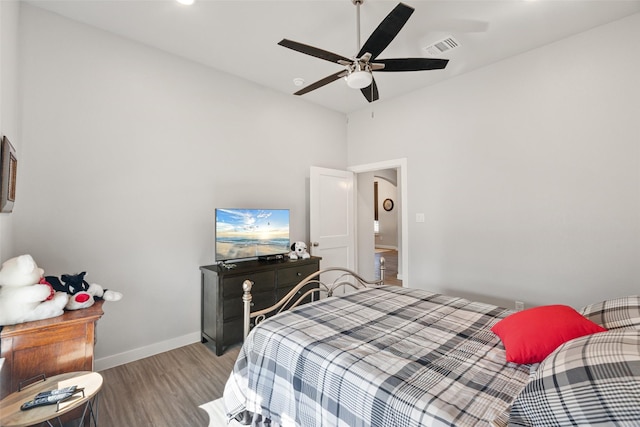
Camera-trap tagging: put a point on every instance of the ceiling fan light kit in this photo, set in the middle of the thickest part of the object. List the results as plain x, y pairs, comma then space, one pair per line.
358, 70
359, 79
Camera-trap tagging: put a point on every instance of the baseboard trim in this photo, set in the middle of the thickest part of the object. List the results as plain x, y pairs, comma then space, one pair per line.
146, 351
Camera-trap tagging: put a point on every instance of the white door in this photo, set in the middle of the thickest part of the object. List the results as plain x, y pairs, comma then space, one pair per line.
332, 217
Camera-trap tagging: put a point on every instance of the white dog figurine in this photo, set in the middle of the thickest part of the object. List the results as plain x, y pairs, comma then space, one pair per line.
299, 251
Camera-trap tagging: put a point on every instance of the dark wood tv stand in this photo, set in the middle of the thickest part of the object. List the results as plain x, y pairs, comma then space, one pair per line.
221, 315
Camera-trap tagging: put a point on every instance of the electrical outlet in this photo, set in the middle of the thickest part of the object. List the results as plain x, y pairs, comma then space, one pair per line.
519, 306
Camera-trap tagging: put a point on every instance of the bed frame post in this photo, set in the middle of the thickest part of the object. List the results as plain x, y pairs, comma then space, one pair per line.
246, 301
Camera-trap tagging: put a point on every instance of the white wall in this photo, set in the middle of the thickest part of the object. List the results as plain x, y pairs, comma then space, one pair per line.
9, 12
528, 172
127, 151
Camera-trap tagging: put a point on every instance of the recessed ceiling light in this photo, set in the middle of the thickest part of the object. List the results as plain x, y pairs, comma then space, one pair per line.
298, 81
186, 2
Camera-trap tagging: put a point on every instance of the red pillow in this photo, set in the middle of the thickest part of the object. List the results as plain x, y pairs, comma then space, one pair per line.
531, 335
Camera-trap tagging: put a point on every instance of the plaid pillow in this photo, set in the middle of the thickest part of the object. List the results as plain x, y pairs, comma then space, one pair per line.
615, 313
592, 380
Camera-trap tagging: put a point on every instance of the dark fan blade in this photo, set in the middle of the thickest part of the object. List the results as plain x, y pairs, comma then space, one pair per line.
411, 64
313, 51
370, 92
322, 82
386, 31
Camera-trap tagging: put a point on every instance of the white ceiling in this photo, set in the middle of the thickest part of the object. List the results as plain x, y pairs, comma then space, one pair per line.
240, 37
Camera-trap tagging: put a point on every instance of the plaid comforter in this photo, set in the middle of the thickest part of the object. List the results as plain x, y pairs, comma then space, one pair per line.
386, 356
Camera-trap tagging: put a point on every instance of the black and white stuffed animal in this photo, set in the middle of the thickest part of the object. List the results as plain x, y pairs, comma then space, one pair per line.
81, 293
299, 251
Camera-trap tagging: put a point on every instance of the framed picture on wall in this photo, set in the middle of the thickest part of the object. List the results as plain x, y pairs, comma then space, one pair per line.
8, 174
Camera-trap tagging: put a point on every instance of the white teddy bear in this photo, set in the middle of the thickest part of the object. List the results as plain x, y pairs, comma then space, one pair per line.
299, 250
22, 297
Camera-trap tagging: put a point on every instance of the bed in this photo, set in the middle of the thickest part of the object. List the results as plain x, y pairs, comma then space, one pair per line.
393, 356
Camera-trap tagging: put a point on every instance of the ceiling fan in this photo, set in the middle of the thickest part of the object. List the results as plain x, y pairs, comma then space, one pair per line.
358, 70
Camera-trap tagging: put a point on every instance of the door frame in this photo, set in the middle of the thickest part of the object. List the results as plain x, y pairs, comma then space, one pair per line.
401, 166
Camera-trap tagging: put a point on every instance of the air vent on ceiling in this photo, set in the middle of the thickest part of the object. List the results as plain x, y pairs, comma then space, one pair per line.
441, 46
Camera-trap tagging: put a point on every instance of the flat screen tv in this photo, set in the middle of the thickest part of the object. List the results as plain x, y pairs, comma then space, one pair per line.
251, 233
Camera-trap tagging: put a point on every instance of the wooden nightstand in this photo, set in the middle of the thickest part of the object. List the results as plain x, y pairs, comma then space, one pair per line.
50, 346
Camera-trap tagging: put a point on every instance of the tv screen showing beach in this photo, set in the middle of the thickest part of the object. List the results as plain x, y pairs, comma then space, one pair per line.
250, 233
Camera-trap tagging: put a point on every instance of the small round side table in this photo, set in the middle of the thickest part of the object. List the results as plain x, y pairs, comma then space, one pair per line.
12, 416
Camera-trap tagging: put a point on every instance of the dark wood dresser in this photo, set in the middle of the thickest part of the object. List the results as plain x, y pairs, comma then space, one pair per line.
221, 322
51, 346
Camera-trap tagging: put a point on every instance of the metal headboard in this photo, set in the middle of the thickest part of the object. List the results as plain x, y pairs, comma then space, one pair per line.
347, 278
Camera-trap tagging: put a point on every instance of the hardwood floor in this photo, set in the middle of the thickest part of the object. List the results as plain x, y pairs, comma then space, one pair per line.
165, 389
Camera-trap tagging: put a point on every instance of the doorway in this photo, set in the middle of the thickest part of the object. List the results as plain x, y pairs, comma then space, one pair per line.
386, 224
365, 242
